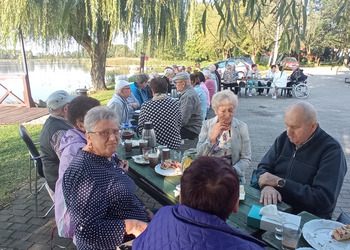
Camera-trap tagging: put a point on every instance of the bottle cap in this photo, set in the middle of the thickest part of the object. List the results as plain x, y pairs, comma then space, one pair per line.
148, 125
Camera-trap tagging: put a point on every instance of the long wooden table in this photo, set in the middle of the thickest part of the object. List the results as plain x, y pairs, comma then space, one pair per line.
162, 190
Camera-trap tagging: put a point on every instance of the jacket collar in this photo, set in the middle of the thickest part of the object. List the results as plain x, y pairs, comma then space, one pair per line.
205, 220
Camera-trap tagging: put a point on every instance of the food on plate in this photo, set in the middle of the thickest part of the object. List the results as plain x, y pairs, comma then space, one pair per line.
171, 164
341, 233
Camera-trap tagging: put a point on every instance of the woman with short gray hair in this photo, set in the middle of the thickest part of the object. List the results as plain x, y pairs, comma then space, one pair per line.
99, 194
225, 136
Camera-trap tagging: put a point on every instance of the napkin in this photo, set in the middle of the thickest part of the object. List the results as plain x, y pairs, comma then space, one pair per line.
271, 212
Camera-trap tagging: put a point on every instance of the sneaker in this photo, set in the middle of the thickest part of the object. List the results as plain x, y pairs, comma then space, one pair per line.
267, 95
274, 97
256, 94
250, 94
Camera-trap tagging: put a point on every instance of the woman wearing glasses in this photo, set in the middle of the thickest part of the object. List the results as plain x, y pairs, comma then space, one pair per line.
100, 196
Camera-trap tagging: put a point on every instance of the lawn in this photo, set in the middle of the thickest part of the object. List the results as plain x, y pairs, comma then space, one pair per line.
13, 160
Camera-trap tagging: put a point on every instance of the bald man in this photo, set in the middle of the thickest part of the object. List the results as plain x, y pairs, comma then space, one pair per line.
305, 167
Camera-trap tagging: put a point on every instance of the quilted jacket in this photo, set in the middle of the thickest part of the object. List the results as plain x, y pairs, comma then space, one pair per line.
181, 227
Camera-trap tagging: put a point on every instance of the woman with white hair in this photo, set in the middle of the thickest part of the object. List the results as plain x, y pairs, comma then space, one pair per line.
168, 77
225, 136
209, 83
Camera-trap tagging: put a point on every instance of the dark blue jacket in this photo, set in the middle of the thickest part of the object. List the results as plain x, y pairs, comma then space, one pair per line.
181, 227
314, 172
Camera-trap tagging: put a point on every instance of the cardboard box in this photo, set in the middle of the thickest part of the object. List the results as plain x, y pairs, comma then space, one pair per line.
256, 220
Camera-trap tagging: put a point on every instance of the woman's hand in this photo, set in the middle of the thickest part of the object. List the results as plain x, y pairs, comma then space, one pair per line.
135, 227
217, 129
124, 165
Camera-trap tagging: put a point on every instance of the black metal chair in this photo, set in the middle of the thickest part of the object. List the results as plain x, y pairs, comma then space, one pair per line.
34, 161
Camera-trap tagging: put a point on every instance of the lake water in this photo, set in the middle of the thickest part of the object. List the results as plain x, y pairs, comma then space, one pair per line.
45, 78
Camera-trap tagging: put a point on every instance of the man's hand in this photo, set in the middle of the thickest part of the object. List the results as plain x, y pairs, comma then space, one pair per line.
135, 105
268, 179
269, 195
135, 227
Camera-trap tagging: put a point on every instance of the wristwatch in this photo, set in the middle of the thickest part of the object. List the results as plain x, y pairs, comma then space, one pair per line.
281, 183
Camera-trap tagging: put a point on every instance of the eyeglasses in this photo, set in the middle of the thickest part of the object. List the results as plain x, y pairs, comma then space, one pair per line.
106, 133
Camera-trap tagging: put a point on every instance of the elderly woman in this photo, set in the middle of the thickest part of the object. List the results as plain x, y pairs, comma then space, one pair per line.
100, 196
168, 77
209, 194
164, 113
71, 142
224, 136
209, 83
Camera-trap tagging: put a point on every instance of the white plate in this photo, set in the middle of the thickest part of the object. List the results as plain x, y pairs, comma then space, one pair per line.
318, 234
140, 160
135, 143
167, 172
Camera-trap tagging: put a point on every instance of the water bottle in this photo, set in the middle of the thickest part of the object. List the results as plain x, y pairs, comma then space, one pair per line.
149, 134
173, 92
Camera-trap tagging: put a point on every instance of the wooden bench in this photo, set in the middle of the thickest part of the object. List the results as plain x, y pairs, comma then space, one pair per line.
246, 87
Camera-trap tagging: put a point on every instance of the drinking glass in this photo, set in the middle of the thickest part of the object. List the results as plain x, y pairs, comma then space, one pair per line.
278, 232
290, 236
145, 152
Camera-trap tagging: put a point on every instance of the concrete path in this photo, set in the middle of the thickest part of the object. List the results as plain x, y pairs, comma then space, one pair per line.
20, 229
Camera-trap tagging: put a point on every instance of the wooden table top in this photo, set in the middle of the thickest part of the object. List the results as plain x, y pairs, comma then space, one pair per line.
162, 188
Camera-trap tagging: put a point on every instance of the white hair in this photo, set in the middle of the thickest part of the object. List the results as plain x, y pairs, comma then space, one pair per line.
223, 97
153, 75
212, 68
96, 114
207, 73
168, 72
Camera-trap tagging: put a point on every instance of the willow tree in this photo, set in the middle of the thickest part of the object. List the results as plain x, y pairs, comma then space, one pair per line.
93, 23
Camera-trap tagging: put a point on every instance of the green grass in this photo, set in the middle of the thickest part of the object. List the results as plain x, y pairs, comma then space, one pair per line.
13, 160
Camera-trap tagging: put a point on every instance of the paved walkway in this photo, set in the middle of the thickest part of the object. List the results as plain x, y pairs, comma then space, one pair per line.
19, 229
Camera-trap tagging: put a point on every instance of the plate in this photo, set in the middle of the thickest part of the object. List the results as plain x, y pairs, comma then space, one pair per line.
318, 234
135, 143
167, 172
139, 159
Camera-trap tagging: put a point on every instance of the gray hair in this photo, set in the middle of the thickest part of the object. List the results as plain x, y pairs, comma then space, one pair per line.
310, 112
153, 75
168, 72
141, 78
212, 68
222, 97
207, 73
99, 113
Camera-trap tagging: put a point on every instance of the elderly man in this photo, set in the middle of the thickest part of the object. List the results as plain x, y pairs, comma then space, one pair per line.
190, 107
305, 167
119, 102
296, 77
53, 130
138, 88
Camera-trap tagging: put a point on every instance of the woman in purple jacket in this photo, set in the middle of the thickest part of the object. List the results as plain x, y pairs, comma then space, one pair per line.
209, 194
73, 140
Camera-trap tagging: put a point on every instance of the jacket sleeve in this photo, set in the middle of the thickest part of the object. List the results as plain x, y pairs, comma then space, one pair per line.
245, 154
204, 145
186, 101
324, 191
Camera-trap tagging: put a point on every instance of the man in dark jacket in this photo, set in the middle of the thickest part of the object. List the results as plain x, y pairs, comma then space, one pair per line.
53, 130
209, 194
305, 167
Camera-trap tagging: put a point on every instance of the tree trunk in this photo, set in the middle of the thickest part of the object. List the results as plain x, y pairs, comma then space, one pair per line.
98, 66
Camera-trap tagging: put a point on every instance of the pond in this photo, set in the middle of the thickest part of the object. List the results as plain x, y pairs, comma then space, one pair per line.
45, 77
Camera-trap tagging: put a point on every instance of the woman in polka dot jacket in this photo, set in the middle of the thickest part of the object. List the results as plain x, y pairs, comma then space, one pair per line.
100, 196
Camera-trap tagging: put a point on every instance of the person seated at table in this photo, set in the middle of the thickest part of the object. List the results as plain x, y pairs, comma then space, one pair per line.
71, 142
279, 81
195, 83
296, 77
168, 77
225, 136
100, 196
133, 103
252, 75
139, 88
209, 83
190, 108
118, 101
230, 79
270, 74
305, 167
209, 194
164, 113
